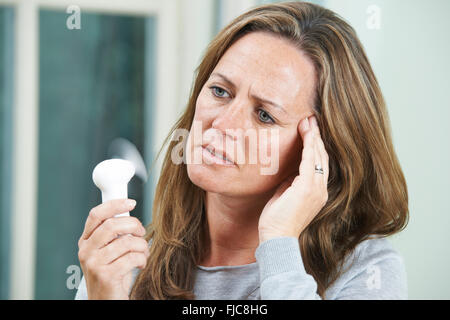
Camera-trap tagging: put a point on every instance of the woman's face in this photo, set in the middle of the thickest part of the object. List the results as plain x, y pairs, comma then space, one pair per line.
248, 111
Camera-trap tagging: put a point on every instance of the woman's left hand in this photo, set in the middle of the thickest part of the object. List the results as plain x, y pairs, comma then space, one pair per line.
300, 198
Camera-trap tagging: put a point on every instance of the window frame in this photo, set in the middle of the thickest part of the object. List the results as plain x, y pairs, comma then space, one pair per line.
25, 113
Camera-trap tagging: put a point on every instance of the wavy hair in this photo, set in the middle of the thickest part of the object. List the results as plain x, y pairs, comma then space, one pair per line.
367, 192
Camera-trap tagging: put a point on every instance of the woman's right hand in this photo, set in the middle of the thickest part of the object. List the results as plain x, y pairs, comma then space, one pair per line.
110, 248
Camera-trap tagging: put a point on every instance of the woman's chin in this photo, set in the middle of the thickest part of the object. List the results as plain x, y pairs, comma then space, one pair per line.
227, 183
207, 179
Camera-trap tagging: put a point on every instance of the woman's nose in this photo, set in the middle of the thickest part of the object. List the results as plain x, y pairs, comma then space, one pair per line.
233, 116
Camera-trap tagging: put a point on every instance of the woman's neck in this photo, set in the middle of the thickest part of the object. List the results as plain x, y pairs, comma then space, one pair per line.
232, 230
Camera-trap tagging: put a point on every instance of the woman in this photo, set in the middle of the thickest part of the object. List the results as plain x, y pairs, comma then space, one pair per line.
315, 226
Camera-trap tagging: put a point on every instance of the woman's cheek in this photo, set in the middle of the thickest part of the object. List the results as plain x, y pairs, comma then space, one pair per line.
206, 110
281, 154
290, 156
269, 151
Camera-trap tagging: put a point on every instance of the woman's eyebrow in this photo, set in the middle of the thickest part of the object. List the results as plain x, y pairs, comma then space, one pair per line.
231, 84
270, 103
224, 78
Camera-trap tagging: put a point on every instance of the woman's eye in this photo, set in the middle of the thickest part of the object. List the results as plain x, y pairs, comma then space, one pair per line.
265, 117
218, 92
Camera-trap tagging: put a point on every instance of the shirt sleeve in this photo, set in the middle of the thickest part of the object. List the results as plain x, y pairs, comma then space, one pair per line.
82, 290
374, 271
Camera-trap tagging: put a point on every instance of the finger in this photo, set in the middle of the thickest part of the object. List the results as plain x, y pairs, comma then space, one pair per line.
317, 153
128, 262
105, 211
306, 168
323, 153
121, 246
113, 228
303, 127
314, 125
317, 161
325, 159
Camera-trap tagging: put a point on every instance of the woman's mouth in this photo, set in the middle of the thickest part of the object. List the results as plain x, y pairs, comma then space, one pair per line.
216, 156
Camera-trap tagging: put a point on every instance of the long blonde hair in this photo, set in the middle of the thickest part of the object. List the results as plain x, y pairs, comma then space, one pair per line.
367, 189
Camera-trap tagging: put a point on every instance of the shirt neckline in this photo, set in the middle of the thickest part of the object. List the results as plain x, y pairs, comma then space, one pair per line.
236, 267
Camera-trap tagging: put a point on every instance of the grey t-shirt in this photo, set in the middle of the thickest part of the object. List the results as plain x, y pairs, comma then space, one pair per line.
373, 271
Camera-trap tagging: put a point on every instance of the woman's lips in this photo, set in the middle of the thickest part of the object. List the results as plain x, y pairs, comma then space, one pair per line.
216, 157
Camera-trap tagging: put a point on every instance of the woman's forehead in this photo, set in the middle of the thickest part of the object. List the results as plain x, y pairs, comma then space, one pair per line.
270, 65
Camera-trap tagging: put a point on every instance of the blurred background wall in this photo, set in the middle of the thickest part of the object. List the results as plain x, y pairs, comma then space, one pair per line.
67, 91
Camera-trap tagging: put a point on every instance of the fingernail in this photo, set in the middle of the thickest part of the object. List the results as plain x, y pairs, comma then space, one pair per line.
306, 123
130, 203
314, 121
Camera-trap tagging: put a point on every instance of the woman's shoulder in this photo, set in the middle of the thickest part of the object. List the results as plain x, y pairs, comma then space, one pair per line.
375, 250
374, 267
